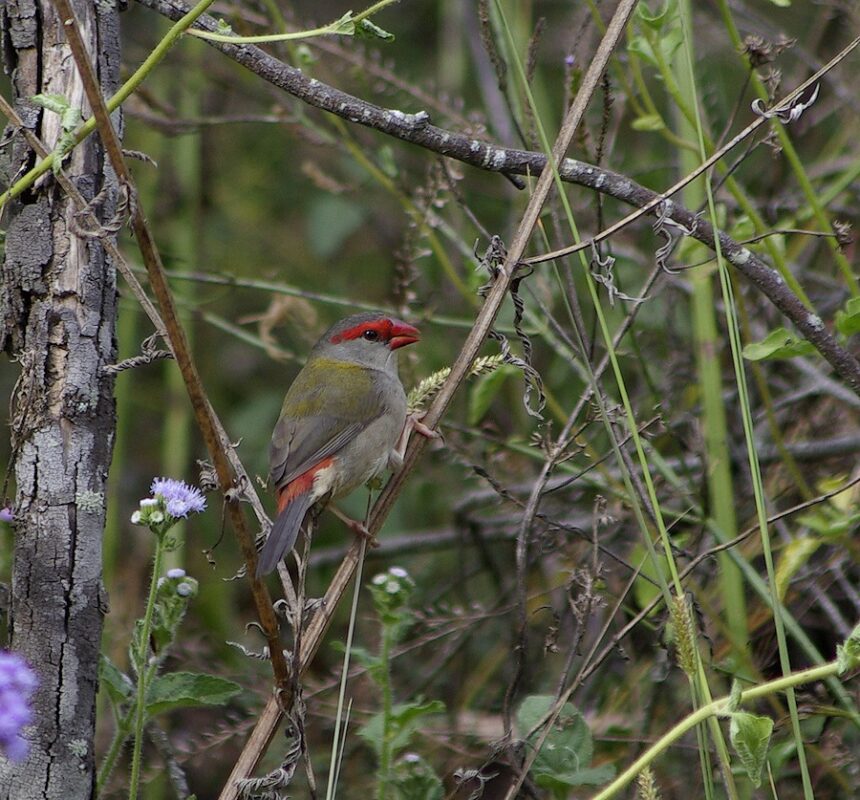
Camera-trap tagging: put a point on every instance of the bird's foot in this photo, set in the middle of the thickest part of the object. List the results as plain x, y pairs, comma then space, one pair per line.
358, 528
413, 423
419, 427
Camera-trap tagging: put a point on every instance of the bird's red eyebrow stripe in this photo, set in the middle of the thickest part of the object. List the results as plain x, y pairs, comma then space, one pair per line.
381, 326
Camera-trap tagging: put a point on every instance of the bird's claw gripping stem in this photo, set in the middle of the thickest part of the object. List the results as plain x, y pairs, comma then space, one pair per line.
413, 423
358, 528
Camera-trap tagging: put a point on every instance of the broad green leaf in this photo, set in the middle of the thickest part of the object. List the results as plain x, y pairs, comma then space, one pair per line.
848, 321
559, 782
404, 721
119, 686
648, 122
187, 689
778, 344
750, 736
565, 757
484, 390
794, 557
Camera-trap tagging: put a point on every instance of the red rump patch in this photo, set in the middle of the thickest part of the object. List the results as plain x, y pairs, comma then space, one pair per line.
301, 484
381, 326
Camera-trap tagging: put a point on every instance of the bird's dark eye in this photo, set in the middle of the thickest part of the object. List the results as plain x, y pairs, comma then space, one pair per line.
371, 335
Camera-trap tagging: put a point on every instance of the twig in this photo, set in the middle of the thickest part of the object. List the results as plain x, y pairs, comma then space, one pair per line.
416, 129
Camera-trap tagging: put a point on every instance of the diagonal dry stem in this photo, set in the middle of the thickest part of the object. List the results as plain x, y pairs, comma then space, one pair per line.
271, 716
203, 411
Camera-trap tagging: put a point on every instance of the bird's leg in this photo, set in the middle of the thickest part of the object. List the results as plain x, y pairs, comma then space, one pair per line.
355, 526
413, 423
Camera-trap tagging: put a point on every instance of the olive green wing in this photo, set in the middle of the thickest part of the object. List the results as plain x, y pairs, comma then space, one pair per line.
328, 405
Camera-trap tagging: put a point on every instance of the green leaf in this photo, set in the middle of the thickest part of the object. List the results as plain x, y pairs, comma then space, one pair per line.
656, 20
735, 696
403, 722
670, 42
793, 557
484, 391
188, 689
781, 3
779, 344
848, 321
640, 46
750, 736
52, 102
387, 162
369, 30
560, 782
119, 686
364, 658
743, 228
648, 122
331, 221
70, 116
565, 756
848, 654
414, 779
345, 26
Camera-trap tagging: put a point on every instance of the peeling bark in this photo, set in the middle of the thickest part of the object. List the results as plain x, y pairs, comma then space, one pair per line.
57, 319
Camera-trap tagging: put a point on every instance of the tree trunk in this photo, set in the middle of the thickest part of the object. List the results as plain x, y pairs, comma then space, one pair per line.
57, 319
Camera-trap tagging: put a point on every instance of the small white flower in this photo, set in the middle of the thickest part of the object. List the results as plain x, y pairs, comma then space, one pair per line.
392, 587
378, 580
398, 572
175, 573
184, 590
135, 518
148, 502
156, 517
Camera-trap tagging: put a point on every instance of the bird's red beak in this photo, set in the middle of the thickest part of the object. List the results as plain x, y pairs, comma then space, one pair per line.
402, 334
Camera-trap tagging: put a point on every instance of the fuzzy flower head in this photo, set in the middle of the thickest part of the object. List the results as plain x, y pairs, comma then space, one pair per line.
6, 514
179, 498
391, 590
17, 682
171, 500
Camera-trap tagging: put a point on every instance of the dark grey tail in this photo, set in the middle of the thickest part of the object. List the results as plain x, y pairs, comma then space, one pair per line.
282, 537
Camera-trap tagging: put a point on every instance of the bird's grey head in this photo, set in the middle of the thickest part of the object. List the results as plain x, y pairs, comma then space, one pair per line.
370, 339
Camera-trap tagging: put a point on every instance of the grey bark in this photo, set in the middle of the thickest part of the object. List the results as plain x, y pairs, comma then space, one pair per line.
57, 320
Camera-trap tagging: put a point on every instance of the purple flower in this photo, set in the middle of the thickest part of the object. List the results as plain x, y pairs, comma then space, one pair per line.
17, 682
6, 514
180, 499
569, 60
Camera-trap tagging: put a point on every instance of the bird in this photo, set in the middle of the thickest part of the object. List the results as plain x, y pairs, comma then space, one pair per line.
344, 421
